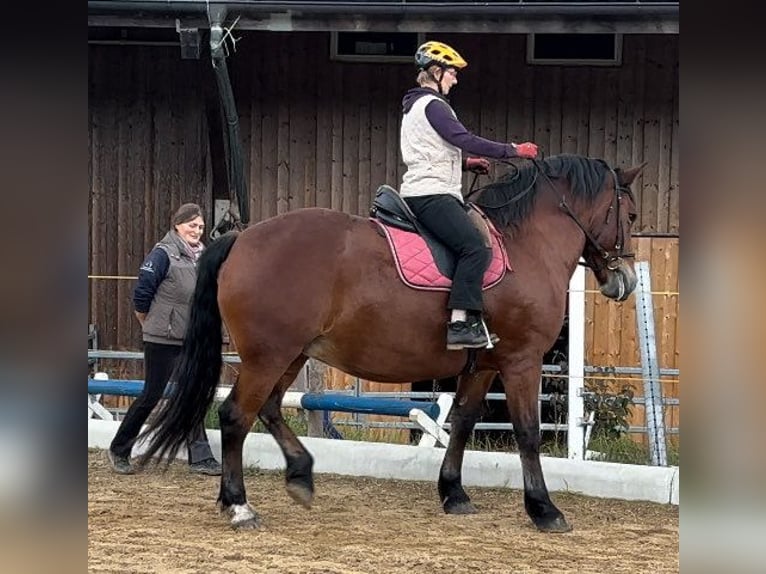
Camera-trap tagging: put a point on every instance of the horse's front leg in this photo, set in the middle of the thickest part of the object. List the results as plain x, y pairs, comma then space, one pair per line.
470, 392
521, 380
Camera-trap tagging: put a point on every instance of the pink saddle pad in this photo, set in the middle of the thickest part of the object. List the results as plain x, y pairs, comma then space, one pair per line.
417, 268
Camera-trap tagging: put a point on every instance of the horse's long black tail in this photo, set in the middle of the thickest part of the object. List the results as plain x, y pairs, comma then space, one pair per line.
199, 365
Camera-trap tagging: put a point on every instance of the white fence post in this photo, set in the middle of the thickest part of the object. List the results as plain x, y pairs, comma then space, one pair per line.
576, 411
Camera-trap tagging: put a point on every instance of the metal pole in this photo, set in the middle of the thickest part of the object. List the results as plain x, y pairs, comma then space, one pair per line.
655, 416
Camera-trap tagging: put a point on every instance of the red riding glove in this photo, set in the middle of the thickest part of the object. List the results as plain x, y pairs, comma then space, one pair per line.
476, 165
526, 149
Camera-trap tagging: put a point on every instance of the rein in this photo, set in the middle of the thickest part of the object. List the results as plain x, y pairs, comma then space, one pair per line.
612, 261
514, 199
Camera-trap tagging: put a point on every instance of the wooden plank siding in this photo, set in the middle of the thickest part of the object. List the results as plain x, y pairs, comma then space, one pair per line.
149, 153
611, 334
318, 132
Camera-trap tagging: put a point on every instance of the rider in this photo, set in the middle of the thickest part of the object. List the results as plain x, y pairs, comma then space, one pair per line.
432, 140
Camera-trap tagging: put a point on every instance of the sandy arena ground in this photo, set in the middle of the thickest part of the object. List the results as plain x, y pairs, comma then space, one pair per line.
155, 522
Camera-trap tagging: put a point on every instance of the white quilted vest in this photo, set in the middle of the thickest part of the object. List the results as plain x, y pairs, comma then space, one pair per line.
433, 164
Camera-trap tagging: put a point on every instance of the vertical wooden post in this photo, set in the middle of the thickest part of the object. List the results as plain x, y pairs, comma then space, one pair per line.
316, 374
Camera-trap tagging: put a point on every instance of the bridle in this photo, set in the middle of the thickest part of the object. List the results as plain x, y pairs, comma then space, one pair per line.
614, 259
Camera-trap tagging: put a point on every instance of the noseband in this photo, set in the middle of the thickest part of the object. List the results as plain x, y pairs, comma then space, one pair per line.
613, 260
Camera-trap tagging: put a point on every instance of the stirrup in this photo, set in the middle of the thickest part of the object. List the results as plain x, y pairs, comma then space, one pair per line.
490, 337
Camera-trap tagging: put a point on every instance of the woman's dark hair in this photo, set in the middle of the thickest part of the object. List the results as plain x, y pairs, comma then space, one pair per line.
186, 213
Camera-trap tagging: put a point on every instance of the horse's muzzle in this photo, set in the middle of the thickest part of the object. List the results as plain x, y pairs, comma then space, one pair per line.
621, 282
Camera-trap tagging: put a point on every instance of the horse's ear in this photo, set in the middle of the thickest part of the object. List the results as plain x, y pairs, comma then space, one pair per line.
626, 176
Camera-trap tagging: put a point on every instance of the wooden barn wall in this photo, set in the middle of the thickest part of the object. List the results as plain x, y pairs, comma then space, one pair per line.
318, 132
148, 154
322, 132
611, 335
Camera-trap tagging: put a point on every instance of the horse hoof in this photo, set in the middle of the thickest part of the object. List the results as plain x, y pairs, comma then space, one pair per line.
557, 525
249, 524
300, 493
465, 507
243, 517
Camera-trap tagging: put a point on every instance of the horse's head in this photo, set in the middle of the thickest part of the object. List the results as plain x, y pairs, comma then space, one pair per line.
602, 206
608, 235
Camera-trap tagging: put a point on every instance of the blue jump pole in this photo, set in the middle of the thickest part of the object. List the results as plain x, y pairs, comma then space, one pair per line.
121, 387
348, 404
309, 401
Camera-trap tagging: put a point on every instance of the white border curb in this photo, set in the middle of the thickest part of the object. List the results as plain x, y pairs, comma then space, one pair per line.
491, 469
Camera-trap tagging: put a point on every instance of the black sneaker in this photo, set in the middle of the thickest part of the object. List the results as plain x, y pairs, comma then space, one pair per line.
476, 317
464, 335
208, 466
120, 464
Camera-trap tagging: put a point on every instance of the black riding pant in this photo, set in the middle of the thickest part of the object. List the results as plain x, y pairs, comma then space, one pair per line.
159, 361
446, 218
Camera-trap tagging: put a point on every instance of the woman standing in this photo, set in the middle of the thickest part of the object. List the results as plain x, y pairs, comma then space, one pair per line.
161, 301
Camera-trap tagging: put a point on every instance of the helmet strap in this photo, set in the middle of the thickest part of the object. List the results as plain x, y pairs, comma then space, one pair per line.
436, 80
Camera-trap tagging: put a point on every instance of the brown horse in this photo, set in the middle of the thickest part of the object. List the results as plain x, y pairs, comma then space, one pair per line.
320, 283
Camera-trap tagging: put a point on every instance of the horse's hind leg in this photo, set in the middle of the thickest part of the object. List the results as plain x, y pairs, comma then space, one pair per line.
257, 379
298, 474
470, 392
521, 380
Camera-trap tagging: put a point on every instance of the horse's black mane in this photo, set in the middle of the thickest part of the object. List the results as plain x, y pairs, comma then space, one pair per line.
585, 176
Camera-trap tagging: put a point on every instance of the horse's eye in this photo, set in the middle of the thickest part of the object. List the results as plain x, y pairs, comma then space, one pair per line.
632, 217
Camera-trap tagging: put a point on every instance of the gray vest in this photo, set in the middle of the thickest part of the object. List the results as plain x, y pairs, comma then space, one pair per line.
169, 312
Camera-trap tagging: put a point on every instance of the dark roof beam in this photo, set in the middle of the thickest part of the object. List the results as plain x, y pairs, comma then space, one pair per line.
505, 17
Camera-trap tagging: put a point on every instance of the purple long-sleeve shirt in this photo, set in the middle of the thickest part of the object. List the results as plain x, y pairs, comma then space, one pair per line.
440, 115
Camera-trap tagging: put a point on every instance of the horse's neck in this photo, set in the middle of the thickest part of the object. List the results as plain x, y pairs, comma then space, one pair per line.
550, 236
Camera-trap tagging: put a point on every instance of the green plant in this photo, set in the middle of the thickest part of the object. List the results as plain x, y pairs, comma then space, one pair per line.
627, 450
211, 418
505, 442
295, 420
611, 409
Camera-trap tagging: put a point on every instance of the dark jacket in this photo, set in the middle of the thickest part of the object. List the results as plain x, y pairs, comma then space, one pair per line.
165, 287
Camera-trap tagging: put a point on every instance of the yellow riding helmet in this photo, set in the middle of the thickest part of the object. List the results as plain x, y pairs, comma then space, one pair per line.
438, 53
